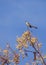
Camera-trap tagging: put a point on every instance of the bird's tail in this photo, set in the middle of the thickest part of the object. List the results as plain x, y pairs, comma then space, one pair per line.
35, 27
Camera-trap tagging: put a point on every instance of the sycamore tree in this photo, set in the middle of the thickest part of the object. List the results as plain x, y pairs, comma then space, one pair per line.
8, 56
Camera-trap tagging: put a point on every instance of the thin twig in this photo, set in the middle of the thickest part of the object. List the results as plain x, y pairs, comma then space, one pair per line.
39, 54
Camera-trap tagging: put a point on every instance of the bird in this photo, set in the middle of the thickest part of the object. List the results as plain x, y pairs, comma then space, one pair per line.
30, 26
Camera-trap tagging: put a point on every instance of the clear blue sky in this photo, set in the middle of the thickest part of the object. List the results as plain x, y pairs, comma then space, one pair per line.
13, 14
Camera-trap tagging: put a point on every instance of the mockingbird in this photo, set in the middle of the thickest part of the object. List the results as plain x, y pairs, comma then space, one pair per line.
31, 26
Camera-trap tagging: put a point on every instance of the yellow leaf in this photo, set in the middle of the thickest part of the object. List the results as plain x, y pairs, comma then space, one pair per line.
33, 40
27, 33
19, 46
5, 51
